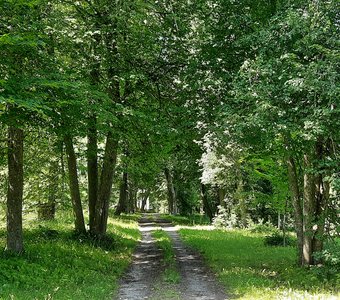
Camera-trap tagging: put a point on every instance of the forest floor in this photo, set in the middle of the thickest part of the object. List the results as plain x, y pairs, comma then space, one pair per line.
151, 276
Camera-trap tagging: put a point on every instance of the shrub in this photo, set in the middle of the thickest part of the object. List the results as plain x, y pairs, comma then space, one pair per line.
329, 269
225, 219
277, 239
263, 228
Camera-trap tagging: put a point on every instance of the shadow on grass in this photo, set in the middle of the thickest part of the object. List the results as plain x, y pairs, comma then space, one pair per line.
249, 268
65, 265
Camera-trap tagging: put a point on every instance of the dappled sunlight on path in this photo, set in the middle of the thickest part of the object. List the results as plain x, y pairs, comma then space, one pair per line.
142, 280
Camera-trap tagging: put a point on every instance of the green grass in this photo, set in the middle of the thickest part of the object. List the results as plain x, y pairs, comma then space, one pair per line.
188, 220
57, 264
250, 270
163, 241
128, 217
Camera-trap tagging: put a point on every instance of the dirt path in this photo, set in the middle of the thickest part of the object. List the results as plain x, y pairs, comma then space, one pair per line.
143, 278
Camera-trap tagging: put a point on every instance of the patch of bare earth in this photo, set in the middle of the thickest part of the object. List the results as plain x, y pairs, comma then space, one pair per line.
145, 269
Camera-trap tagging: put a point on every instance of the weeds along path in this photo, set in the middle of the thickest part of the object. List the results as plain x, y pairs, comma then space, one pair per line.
197, 281
144, 278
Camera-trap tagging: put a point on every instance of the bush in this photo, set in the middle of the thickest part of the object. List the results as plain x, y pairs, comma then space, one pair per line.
277, 239
329, 269
263, 228
225, 219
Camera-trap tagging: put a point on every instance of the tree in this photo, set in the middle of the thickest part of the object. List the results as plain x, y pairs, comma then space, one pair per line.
22, 59
286, 93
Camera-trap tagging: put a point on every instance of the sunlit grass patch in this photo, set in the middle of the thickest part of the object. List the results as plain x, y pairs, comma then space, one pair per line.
250, 270
133, 218
187, 220
58, 264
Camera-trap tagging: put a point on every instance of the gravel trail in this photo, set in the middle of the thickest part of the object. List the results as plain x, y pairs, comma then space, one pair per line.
143, 279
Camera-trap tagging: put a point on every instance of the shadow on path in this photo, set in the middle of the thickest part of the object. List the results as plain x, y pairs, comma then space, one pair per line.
197, 281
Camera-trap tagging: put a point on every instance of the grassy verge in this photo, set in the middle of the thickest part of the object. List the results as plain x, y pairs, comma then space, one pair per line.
187, 220
57, 264
171, 274
128, 217
250, 270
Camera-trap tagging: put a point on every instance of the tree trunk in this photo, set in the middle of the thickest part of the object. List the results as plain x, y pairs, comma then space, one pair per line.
322, 190
284, 222
242, 207
206, 205
92, 168
74, 185
221, 194
15, 190
171, 191
321, 197
132, 197
123, 196
308, 210
53, 188
105, 185
92, 138
296, 202
145, 199
46, 211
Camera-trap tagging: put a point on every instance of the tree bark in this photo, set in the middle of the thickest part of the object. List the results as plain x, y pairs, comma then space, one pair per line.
321, 196
296, 202
171, 191
206, 205
132, 197
105, 185
74, 185
145, 199
15, 189
123, 204
242, 208
92, 168
92, 138
46, 210
308, 210
221, 195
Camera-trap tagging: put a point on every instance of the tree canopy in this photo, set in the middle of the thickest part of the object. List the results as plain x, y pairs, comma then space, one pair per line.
220, 107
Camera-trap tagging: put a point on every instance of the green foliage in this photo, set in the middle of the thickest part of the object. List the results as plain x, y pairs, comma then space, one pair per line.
277, 239
329, 268
263, 228
210, 89
225, 218
250, 270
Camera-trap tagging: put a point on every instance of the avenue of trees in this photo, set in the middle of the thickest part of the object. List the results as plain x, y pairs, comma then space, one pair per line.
196, 106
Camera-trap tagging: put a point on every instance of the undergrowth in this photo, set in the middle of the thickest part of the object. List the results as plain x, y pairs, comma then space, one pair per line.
190, 220
59, 264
